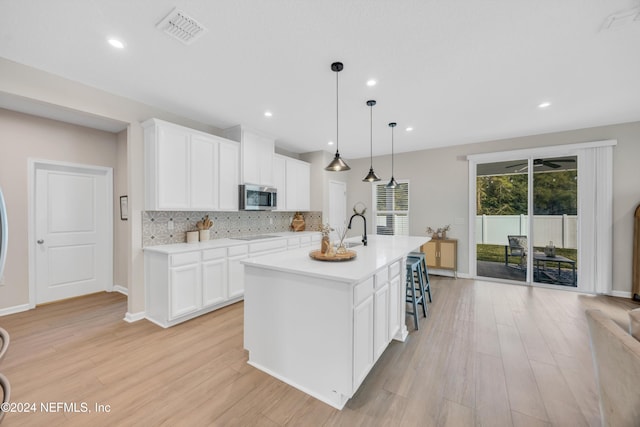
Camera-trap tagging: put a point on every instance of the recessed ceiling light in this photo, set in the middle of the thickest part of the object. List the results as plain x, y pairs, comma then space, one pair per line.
330, 143
371, 82
116, 43
544, 105
409, 129
268, 114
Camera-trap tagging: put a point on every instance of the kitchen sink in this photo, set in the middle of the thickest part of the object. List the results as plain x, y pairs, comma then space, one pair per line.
255, 237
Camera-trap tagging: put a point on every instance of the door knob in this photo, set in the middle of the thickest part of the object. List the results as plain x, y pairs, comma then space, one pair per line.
40, 241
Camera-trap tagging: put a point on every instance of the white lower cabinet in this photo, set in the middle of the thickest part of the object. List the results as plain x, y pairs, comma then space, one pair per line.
396, 292
363, 331
375, 319
214, 277
181, 286
236, 270
381, 327
184, 287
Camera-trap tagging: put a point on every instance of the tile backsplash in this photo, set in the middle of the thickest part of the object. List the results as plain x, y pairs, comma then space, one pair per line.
155, 224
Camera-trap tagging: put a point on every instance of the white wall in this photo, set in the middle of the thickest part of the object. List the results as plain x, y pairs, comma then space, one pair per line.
439, 186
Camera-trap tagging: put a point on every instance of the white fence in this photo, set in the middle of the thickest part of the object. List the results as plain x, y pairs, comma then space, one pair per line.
562, 230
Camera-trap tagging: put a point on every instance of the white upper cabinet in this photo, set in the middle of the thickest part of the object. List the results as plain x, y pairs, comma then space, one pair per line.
292, 178
280, 181
204, 176
189, 170
256, 154
298, 185
229, 175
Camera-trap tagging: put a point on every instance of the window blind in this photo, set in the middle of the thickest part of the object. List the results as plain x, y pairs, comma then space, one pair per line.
392, 209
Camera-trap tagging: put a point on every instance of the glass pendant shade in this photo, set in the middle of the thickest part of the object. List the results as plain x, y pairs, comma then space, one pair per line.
371, 176
337, 164
392, 182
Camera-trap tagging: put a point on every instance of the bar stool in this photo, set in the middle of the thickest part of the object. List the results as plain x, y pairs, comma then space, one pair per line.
415, 290
425, 271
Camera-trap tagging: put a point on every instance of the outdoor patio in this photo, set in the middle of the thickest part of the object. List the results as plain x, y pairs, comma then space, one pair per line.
548, 273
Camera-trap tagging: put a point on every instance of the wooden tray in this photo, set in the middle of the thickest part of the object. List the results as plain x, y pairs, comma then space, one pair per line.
318, 255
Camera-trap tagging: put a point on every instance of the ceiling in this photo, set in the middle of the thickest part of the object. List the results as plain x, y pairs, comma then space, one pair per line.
456, 71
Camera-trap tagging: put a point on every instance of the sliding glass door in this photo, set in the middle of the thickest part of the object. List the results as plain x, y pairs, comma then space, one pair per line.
555, 221
502, 221
523, 198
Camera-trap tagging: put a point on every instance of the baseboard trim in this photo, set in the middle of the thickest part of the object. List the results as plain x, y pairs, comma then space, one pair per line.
121, 289
449, 273
621, 294
15, 309
133, 317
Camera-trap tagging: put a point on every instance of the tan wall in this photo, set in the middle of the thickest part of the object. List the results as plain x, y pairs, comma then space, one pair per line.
22, 137
439, 186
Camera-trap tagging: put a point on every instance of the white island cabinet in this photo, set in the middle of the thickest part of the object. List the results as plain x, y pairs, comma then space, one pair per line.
321, 326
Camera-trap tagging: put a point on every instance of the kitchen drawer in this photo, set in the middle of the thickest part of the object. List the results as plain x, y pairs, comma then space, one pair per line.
185, 258
238, 250
316, 237
395, 269
267, 246
209, 254
363, 290
382, 277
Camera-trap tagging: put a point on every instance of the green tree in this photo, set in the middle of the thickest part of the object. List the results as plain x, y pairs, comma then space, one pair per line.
555, 193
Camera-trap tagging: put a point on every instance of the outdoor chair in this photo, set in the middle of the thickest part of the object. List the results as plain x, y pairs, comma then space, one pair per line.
517, 247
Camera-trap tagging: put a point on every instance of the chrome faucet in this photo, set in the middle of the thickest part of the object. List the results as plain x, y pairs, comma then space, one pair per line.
364, 236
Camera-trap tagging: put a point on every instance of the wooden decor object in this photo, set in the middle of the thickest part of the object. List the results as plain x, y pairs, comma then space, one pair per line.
318, 255
635, 290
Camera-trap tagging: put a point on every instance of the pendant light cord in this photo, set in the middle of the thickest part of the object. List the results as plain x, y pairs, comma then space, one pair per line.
392, 151
337, 117
371, 136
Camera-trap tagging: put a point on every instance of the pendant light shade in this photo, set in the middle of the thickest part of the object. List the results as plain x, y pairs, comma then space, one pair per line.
337, 164
371, 176
392, 182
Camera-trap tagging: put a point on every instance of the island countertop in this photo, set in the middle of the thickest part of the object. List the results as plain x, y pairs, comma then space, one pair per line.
379, 252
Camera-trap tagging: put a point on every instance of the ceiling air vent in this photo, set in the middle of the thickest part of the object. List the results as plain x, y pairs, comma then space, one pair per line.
181, 26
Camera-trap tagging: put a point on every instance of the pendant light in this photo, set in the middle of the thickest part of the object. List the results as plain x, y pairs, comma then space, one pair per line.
392, 182
337, 164
371, 177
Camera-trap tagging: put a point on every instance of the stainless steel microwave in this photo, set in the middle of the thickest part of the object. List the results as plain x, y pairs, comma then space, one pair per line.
258, 198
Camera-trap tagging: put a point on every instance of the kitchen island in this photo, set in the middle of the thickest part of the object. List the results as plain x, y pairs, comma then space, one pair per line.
321, 326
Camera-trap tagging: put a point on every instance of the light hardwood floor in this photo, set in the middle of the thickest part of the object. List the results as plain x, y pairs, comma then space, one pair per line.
488, 354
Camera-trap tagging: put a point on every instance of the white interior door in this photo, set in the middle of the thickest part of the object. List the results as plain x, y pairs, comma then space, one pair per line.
73, 232
337, 204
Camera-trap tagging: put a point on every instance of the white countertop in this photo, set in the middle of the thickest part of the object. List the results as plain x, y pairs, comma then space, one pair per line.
380, 252
176, 248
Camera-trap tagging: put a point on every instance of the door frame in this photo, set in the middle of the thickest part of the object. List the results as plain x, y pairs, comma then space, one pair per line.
529, 154
40, 164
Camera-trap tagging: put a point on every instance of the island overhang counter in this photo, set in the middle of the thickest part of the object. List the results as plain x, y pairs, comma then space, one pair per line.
320, 326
